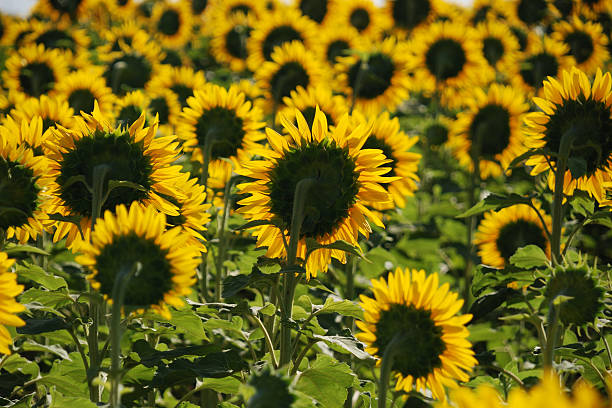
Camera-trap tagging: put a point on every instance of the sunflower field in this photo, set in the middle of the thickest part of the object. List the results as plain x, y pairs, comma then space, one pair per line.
306, 203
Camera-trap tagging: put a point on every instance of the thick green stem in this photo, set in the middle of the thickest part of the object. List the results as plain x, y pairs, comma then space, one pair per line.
119, 288
206, 153
551, 336
385, 367
557, 209
297, 217
227, 202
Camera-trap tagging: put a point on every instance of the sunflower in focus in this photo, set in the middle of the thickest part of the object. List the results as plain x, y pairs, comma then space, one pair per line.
586, 41
395, 145
52, 111
276, 29
9, 289
228, 44
499, 47
490, 130
172, 23
33, 70
574, 106
222, 119
502, 232
24, 181
183, 81
291, 66
131, 154
306, 102
377, 78
124, 238
334, 42
363, 16
407, 15
82, 88
446, 58
345, 178
543, 57
414, 309
129, 108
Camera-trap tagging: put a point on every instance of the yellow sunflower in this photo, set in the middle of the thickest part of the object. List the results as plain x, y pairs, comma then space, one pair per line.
33, 70
61, 35
596, 5
120, 35
24, 181
490, 130
499, 47
483, 11
228, 44
306, 101
180, 80
436, 132
222, 9
574, 106
168, 260
129, 108
131, 154
587, 43
198, 7
165, 104
501, 233
447, 58
345, 177
376, 78
5, 22
564, 9
275, 30
172, 23
408, 15
291, 66
224, 118
82, 88
543, 57
17, 32
531, 12
56, 10
52, 111
363, 15
395, 145
414, 309
318, 11
336, 41
9, 307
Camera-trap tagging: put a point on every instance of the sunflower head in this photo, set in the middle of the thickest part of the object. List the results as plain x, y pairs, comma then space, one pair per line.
410, 14
436, 132
123, 239
413, 308
586, 41
585, 295
9, 307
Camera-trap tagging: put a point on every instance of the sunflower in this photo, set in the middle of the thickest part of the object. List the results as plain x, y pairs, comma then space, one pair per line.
9, 289
412, 308
336, 41
499, 47
596, 5
56, 10
490, 130
168, 260
225, 119
5, 21
172, 23
130, 107
369, 21
24, 181
121, 9
543, 57
563, 8
587, 43
182, 81
33, 70
395, 145
276, 29
436, 132
377, 78
407, 15
317, 10
52, 111
291, 66
446, 58
502, 232
198, 7
307, 100
531, 12
82, 88
131, 154
547, 393
120, 35
60, 35
228, 45
17, 32
133, 66
222, 9
490, 10
583, 111
165, 104
345, 176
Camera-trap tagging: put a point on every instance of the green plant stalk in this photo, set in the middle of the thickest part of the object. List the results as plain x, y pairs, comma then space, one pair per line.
297, 217
557, 207
471, 221
551, 337
207, 153
227, 202
119, 288
385, 367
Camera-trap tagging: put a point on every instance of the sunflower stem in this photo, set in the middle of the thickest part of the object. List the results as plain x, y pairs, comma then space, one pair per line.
557, 209
388, 358
297, 217
551, 336
227, 202
207, 152
119, 288
358, 80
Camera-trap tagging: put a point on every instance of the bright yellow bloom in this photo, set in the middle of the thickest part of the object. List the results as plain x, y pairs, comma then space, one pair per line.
9, 289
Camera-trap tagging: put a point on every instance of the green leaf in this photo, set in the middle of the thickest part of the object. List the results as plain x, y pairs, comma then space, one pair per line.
31, 345
14, 249
602, 218
150, 357
39, 275
54, 299
227, 385
234, 325
495, 202
577, 166
312, 245
253, 224
344, 345
530, 256
113, 184
188, 322
583, 205
343, 307
38, 326
60, 401
326, 381
533, 152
